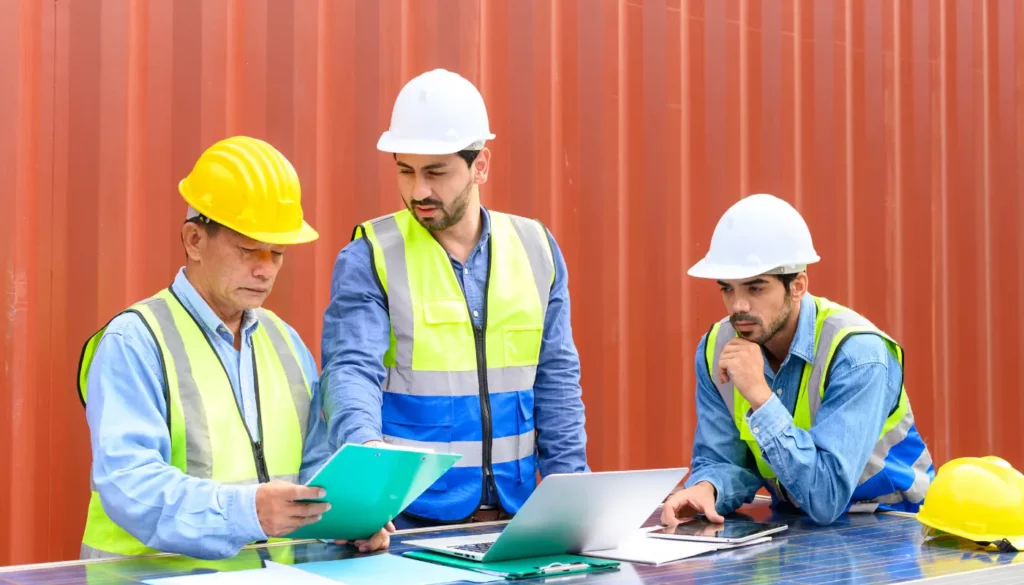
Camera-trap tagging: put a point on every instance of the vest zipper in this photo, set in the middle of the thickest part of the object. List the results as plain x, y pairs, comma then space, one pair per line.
485, 406
480, 338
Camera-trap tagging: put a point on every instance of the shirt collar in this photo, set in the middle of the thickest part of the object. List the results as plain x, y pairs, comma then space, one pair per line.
803, 341
485, 227
197, 306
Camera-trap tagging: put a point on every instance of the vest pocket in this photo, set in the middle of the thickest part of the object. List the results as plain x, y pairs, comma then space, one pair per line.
521, 344
444, 332
444, 311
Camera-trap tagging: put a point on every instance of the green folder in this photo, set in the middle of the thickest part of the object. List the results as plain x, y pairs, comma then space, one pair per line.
549, 566
369, 486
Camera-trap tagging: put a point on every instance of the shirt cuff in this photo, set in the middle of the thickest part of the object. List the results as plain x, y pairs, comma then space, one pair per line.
362, 436
769, 421
696, 478
242, 505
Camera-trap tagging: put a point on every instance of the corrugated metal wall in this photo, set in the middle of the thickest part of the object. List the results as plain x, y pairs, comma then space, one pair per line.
628, 127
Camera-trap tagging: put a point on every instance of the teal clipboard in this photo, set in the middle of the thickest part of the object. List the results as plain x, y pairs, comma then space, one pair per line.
369, 486
549, 566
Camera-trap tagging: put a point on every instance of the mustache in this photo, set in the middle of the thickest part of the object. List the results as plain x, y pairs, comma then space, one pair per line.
745, 317
428, 202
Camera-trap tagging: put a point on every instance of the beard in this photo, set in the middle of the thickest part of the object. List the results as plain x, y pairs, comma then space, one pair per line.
446, 215
767, 333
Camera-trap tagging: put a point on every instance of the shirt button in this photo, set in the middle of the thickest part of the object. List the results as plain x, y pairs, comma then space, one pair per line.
757, 430
476, 313
779, 391
465, 270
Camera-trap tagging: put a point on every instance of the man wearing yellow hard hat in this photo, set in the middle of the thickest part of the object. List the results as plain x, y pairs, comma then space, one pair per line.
794, 392
203, 407
449, 326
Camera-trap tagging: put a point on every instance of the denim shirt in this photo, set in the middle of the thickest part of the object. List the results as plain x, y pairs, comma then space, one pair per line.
820, 468
357, 331
156, 503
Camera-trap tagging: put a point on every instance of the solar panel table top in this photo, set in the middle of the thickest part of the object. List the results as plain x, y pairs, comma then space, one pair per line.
856, 549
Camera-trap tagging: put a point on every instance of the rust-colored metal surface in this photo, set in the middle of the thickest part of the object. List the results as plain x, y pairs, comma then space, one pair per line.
628, 127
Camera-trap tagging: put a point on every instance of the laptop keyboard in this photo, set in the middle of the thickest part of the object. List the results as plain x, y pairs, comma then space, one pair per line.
480, 547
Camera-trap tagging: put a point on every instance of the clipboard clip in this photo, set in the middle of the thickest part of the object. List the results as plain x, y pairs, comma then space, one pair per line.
557, 567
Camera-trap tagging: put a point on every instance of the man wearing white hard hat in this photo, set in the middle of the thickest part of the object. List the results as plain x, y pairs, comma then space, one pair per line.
448, 326
795, 393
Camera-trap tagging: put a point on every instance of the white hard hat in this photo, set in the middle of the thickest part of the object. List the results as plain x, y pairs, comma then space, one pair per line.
759, 234
438, 112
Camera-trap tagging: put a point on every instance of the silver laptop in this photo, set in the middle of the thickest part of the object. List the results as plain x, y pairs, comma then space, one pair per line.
568, 514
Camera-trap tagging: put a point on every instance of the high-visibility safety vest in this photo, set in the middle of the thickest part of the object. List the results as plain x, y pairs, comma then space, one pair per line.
899, 470
454, 387
209, 438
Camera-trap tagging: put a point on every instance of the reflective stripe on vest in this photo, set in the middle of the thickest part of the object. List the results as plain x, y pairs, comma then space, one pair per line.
209, 438
436, 358
833, 324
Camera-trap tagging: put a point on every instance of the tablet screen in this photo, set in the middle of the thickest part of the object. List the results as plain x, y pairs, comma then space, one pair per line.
732, 529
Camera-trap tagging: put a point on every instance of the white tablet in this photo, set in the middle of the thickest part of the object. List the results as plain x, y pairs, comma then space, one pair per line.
732, 532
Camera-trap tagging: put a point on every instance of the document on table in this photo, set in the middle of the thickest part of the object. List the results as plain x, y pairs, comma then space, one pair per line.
390, 569
273, 574
639, 548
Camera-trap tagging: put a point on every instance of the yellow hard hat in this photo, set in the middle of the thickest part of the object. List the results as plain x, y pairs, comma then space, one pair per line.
247, 185
980, 499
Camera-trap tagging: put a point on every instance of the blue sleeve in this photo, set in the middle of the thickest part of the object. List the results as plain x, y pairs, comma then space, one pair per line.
357, 332
316, 450
720, 457
558, 399
156, 503
820, 468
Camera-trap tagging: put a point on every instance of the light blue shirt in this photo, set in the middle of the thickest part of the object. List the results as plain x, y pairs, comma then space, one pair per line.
356, 334
819, 468
156, 503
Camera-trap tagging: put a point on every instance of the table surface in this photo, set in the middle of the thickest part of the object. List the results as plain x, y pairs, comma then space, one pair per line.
856, 549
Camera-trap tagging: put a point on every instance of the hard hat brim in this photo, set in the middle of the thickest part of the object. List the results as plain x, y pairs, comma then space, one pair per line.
303, 235
389, 143
714, 271
705, 269
933, 528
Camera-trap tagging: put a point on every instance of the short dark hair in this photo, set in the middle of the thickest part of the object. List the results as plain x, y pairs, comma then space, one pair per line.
787, 279
467, 155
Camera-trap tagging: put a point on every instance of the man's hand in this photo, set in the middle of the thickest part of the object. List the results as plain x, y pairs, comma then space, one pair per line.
373, 443
743, 363
696, 499
379, 541
278, 511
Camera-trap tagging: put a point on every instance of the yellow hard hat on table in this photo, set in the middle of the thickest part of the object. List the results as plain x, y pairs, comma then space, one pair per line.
247, 185
980, 499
